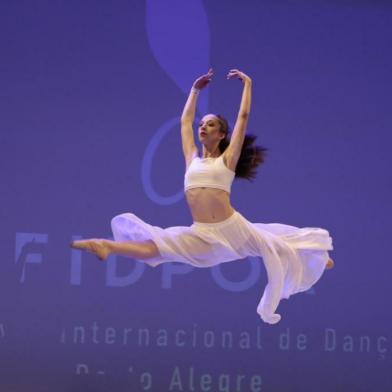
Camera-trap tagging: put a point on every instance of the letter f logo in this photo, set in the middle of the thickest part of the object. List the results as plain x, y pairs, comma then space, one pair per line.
28, 249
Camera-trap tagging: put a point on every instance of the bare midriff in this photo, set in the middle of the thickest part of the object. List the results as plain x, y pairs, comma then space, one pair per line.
209, 205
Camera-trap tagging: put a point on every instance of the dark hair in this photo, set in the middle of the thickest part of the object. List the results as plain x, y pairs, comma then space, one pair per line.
251, 155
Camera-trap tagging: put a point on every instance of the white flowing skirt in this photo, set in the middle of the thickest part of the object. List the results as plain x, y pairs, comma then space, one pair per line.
294, 258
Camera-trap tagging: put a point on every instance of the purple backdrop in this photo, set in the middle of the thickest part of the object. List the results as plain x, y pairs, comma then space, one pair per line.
91, 94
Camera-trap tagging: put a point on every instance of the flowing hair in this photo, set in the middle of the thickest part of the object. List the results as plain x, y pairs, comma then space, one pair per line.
251, 155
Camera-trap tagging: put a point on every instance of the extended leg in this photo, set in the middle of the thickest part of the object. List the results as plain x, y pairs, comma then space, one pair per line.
102, 248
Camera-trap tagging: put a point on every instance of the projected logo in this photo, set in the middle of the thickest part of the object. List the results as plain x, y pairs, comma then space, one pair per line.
181, 46
30, 249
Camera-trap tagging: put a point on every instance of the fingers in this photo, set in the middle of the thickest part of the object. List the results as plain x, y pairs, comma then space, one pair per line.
233, 72
207, 77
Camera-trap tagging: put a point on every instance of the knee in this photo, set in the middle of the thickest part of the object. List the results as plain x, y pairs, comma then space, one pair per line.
151, 250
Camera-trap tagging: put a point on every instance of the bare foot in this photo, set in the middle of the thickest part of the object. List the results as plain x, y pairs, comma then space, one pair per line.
96, 246
330, 264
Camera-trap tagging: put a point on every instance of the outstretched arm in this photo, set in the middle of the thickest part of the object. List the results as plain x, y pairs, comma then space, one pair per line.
188, 114
238, 135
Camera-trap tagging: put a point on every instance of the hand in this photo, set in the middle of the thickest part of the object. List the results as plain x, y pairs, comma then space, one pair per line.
240, 75
203, 80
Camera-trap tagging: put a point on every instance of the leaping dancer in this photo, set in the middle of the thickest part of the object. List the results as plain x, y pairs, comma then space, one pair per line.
295, 258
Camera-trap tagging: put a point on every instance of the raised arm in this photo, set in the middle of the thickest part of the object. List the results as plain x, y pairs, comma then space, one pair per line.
188, 115
238, 134
187, 118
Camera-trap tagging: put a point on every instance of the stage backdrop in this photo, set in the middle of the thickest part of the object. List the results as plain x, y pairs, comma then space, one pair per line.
91, 94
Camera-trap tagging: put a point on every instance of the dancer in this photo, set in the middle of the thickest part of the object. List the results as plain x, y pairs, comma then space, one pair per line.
295, 258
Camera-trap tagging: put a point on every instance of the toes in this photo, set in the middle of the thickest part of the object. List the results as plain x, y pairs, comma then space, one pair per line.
74, 244
91, 246
330, 264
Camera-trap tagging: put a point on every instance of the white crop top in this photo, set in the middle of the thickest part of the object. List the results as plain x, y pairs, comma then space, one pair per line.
209, 173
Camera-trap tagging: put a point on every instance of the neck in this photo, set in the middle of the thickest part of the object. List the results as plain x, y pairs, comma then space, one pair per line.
213, 153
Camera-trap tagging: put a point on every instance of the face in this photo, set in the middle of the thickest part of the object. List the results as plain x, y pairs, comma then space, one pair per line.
209, 129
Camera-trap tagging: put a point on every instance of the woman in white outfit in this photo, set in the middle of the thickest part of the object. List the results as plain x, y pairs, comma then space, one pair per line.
295, 258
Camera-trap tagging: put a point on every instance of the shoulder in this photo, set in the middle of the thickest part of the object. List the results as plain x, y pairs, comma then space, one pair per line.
229, 160
191, 156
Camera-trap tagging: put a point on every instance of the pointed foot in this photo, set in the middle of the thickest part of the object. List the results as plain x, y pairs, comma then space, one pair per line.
96, 246
330, 264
